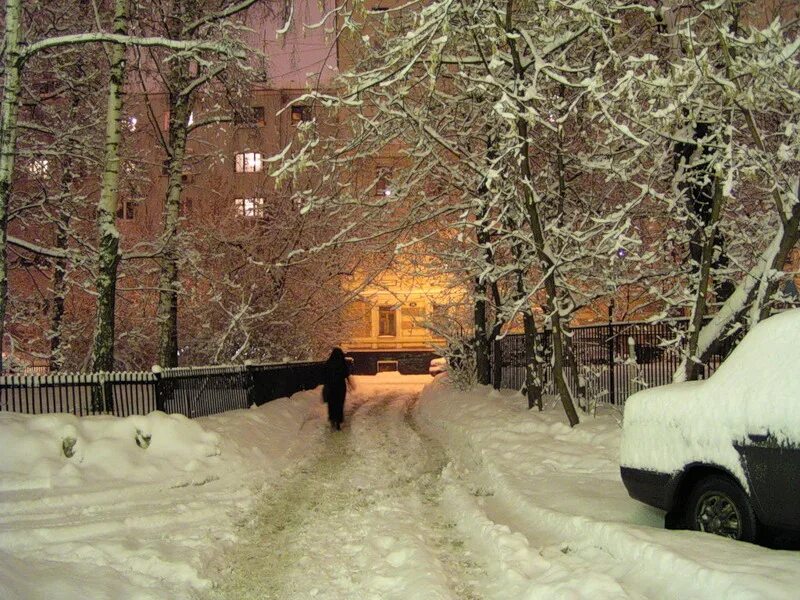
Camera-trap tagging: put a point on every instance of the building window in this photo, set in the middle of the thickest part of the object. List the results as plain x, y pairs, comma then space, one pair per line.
249, 207
126, 210
387, 321
251, 115
39, 167
383, 183
248, 162
300, 114
411, 319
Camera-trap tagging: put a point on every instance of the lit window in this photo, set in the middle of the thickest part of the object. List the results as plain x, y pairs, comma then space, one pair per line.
249, 207
383, 186
126, 211
387, 321
39, 167
300, 113
248, 162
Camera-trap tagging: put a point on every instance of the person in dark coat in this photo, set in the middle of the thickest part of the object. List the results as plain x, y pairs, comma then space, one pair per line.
334, 389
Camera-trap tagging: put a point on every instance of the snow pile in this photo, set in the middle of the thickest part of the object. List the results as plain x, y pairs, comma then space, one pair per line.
455, 495
548, 504
121, 519
61, 450
751, 393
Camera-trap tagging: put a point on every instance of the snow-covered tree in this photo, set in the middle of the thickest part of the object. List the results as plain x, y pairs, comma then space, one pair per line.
501, 102
714, 109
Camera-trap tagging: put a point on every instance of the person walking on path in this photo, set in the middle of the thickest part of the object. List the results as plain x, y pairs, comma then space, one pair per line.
334, 389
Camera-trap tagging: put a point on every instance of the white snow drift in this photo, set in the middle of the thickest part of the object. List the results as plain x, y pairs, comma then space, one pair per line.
523, 506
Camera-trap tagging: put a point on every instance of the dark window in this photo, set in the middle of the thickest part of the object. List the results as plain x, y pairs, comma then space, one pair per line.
300, 113
126, 210
387, 321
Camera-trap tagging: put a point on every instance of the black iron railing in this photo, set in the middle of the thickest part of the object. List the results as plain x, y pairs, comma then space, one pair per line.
611, 361
193, 392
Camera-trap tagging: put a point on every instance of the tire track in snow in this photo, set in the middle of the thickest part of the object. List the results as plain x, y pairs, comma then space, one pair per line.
361, 519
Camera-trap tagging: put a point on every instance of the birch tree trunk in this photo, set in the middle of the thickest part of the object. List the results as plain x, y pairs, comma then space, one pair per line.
108, 249
168, 281
12, 62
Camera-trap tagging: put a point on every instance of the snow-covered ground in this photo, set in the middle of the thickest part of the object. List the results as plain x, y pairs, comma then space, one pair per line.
443, 494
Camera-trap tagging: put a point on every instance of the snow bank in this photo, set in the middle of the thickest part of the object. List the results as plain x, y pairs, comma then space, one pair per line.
751, 393
118, 519
549, 503
61, 450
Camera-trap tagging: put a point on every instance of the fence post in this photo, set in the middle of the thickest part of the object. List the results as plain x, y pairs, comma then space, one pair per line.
612, 387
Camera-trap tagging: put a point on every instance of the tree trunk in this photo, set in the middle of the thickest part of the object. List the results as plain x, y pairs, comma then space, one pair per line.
108, 249
537, 230
497, 327
167, 314
533, 379
8, 142
60, 279
482, 363
699, 309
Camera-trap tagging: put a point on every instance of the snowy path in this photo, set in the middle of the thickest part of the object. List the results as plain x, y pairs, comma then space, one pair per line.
383, 511
443, 494
362, 519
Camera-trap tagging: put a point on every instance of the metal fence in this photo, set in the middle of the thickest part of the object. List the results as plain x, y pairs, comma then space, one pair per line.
611, 361
193, 392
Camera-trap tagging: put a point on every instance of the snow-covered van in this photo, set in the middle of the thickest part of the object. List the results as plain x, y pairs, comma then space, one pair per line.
723, 455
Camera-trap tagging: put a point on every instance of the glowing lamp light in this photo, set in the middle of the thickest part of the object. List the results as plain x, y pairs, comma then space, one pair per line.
387, 192
622, 253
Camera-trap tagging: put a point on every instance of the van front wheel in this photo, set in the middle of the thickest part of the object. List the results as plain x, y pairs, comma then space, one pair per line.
718, 505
